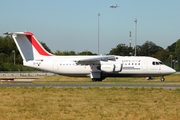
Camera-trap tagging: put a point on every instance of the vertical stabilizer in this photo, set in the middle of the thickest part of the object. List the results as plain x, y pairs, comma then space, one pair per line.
28, 46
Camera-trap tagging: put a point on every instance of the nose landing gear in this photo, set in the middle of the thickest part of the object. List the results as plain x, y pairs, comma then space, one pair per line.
162, 79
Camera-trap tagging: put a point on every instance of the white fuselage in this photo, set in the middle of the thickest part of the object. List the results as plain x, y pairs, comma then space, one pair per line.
131, 66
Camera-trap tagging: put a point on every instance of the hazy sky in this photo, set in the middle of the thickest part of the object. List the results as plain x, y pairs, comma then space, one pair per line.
73, 24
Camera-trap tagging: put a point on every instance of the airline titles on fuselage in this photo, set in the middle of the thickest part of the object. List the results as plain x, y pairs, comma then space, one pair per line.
125, 61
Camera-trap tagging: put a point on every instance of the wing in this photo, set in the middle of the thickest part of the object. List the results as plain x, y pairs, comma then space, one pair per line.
95, 59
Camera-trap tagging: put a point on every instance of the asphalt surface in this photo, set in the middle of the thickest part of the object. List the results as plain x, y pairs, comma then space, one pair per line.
21, 82
84, 85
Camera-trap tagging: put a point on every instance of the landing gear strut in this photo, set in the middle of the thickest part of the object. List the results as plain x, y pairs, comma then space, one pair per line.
162, 79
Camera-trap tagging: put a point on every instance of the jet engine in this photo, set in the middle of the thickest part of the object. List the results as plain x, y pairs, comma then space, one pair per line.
113, 67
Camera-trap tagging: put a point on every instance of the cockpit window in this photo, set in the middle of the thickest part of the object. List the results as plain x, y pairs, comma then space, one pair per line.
157, 63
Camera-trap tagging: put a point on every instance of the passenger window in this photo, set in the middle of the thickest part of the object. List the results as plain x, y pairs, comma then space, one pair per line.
153, 63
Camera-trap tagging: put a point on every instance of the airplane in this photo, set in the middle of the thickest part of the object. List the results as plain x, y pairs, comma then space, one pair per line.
96, 67
114, 6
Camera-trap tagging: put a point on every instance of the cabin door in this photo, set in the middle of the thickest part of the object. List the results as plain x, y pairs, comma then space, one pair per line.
145, 65
55, 65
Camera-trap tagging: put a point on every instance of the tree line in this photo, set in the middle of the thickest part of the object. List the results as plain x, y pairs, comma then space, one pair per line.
169, 56
11, 60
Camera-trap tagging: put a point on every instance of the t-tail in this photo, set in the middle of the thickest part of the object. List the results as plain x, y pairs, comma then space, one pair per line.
28, 46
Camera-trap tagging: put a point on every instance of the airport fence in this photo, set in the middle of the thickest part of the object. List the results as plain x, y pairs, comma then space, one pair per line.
25, 73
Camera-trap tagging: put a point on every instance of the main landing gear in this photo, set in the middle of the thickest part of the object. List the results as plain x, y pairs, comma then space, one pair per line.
96, 79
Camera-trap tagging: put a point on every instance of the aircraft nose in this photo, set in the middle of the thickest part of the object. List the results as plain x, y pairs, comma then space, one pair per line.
166, 70
172, 70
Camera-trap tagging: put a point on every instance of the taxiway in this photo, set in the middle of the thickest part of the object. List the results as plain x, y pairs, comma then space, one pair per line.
88, 85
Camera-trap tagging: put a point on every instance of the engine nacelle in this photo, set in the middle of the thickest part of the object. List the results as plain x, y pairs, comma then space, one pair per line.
114, 67
108, 68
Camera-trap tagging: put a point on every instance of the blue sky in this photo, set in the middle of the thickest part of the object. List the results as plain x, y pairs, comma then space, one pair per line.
73, 24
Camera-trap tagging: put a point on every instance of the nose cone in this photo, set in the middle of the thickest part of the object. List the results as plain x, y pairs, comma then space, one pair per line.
166, 70
172, 71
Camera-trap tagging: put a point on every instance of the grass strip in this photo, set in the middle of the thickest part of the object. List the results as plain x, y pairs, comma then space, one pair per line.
90, 103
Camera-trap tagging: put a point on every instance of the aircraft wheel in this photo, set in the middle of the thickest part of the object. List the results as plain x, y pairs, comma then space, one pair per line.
162, 79
96, 79
93, 79
149, 78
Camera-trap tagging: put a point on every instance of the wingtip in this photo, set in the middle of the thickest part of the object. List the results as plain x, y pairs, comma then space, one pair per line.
6, 33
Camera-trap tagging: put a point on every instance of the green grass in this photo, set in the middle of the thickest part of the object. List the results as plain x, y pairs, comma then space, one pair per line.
49, 103
91, 103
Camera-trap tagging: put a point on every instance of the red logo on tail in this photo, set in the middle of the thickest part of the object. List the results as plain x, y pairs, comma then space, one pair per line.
37, 45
